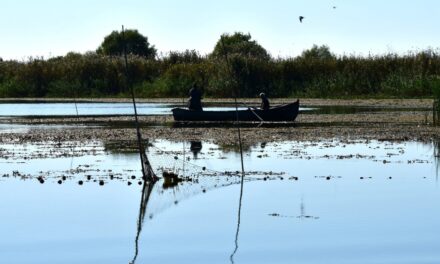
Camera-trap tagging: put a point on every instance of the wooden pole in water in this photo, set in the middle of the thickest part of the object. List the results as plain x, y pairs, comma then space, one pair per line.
147, 172
231, 257
235, 78
235, 100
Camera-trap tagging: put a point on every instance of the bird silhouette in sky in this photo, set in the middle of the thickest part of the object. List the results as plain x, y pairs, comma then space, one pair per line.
301, 19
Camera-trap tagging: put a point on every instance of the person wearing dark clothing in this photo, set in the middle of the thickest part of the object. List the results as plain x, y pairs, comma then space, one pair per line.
195, 99
264, 102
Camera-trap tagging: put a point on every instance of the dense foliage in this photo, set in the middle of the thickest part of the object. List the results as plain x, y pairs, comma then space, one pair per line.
239, 44
134, 42
315, 73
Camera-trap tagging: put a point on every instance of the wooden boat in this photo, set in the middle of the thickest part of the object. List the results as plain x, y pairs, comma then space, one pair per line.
286, 112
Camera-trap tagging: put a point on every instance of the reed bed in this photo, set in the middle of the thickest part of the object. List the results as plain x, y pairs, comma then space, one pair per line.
436, 105
414, 75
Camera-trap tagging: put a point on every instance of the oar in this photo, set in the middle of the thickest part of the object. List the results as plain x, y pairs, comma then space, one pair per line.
250, 108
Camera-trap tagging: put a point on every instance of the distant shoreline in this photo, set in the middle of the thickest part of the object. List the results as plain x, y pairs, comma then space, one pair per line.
413, 103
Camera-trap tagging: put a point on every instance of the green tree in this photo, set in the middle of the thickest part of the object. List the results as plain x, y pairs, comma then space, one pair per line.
239, 44
318, 53
136, 44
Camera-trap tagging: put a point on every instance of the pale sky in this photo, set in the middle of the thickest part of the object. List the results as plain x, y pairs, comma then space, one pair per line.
54, 27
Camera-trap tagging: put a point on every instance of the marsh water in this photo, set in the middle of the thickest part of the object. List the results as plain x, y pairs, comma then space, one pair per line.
332, 201
93, 109
14, 109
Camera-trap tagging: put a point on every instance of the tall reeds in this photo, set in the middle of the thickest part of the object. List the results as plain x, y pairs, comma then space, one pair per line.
436, 105
309, 75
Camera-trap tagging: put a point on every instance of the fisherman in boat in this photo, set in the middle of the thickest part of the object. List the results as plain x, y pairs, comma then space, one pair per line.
264, 102
195, 99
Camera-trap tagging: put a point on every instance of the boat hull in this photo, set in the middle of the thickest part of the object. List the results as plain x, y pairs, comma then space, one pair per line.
287, 112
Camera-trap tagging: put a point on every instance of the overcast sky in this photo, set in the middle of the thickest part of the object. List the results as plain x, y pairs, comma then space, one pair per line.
54, 27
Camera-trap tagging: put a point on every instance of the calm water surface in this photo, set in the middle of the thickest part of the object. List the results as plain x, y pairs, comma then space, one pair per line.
94, 109
91, 109
62, 109
302, 202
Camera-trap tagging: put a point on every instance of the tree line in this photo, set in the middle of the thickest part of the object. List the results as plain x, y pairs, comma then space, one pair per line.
237, 63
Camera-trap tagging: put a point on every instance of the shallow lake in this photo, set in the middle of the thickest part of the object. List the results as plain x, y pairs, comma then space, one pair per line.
300, 202
92, 109
98, 109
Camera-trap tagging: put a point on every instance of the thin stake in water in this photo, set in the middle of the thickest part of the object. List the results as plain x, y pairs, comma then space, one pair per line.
147, 171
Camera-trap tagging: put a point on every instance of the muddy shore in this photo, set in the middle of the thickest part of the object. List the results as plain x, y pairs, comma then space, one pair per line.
414, 122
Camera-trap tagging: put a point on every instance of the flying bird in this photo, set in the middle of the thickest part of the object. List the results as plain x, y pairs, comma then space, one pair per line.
301, 19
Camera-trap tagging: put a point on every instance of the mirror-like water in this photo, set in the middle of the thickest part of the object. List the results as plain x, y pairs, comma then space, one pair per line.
303, 202
96, 109
91, 109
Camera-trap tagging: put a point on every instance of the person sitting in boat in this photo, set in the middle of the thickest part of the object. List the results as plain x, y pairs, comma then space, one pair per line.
195, 99
264, 102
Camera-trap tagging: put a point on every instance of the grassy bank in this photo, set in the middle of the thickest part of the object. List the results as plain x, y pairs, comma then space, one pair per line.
414, 75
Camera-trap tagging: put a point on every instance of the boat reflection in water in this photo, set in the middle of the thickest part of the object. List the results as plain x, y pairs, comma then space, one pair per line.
196, 147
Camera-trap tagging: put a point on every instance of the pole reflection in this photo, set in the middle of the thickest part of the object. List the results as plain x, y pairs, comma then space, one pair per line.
147, 189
